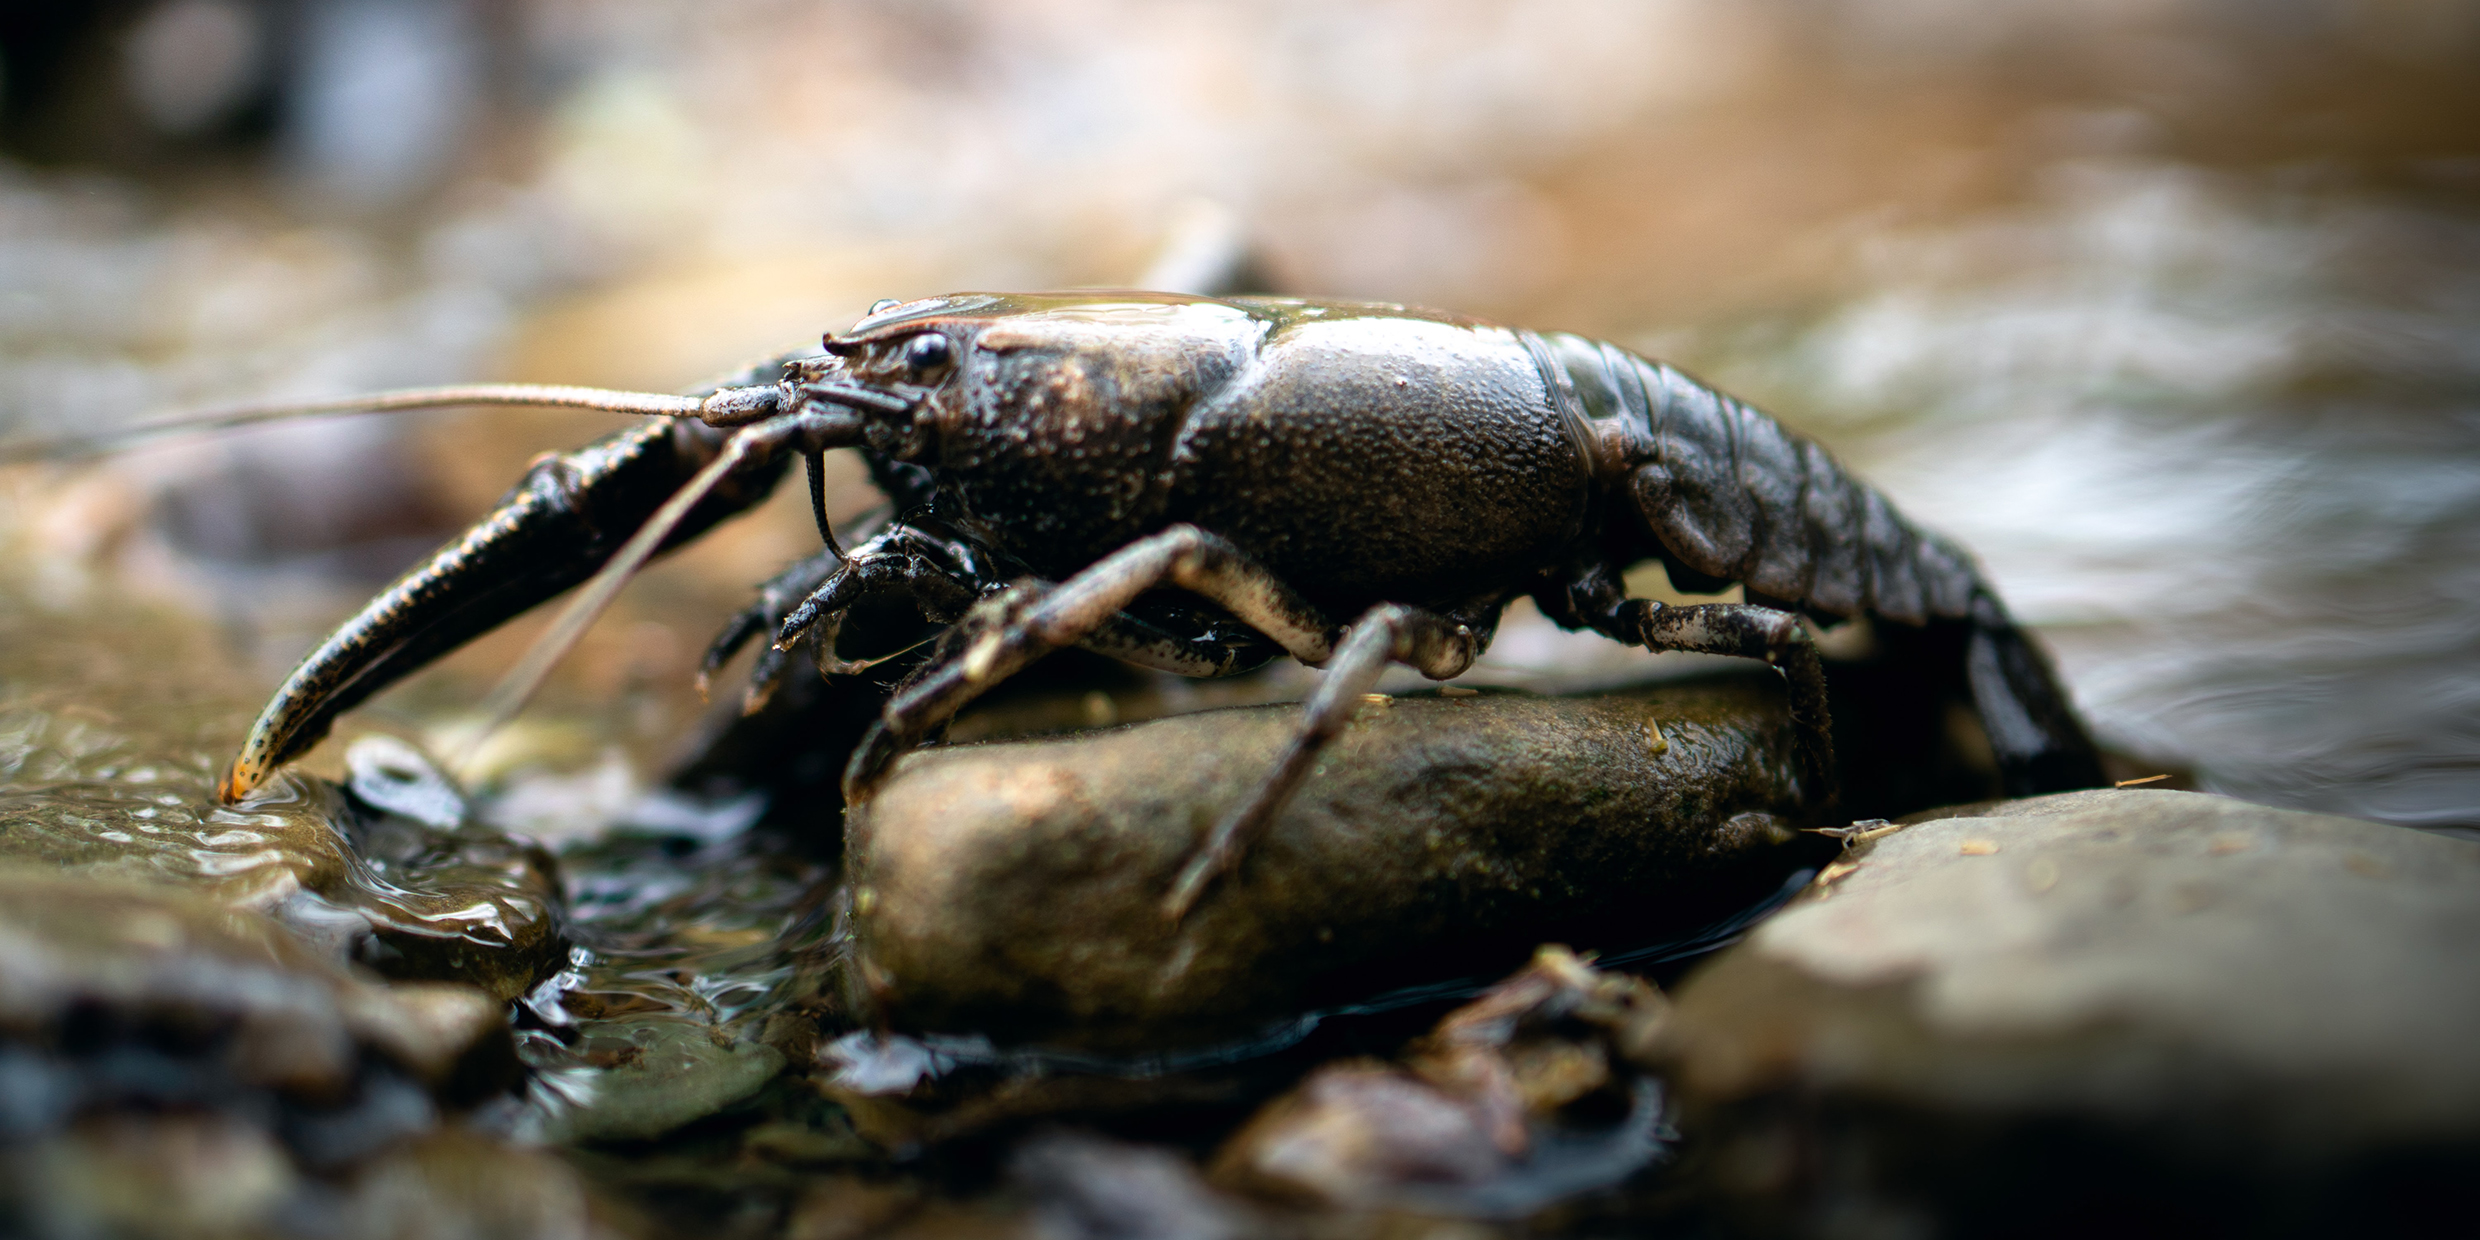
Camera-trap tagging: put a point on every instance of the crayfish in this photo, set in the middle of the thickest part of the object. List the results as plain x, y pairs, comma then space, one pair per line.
1202, 485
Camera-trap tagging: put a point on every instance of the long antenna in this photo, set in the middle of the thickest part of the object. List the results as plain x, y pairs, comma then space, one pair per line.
226, 417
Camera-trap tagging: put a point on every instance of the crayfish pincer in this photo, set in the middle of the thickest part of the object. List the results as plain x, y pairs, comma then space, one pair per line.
1201, 485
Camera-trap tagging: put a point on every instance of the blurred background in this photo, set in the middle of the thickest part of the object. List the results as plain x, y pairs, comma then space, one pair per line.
2168, 309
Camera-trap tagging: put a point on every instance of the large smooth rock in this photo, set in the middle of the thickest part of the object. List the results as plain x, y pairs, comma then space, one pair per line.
2134, 1011
1015, 889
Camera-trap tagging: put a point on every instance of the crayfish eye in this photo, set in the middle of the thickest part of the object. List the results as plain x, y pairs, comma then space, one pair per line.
927, 352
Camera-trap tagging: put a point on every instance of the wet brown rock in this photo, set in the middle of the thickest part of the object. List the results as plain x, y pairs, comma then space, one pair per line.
1538, 1041
1360, 1133
175, 1177
171, 1066
2120, 1009
207, 1177
274, 1012
669, 1074
459, 1184
1087, 1186
486, 918
849, 1208
1456, 1126
1015, 888
901, 1097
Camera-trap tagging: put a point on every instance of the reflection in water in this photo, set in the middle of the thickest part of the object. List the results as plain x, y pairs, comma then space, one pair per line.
113, 722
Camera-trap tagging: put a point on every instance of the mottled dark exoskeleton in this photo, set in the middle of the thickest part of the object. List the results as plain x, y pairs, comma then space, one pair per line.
1201, 485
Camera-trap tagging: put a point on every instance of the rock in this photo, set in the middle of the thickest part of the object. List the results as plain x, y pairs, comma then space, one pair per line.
849, 1208
205, 1177
85, 963
666, 1073
1086, 1187
173, 1066
904, 1096
1478, 1117
178, 1177
463, 1185
112, 724
1360, 1134
2097, 1011
1014, 889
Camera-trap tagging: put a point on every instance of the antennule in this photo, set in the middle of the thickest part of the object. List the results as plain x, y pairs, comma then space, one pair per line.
227, 417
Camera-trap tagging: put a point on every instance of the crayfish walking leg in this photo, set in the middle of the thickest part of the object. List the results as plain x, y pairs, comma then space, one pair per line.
1034, 618
1388, 633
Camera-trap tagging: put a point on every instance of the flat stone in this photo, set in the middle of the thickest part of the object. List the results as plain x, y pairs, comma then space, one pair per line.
669, 1074
2122, 999
1014, 889
166, 1057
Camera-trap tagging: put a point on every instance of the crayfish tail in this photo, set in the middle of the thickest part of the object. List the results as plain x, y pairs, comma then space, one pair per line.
2032, 727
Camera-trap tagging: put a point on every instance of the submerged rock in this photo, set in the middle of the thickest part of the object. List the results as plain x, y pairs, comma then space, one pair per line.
90, 969
696, 972
2118, 1010
163, 1053
1477, 1117
1015, 889
669, 1074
